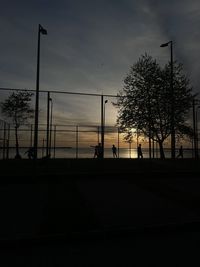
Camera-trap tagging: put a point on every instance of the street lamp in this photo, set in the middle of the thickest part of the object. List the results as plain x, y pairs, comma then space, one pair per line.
41, 30
173, 141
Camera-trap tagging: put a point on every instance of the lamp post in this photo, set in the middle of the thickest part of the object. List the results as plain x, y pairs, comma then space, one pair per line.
49, 125
41, 30
51, 117
173, 141
104, 118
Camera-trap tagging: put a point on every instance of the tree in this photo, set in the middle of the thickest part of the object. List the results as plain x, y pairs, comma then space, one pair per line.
17, 108
145, 103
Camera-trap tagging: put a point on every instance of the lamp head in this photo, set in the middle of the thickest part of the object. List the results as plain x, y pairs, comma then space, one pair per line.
42, 30
166, 44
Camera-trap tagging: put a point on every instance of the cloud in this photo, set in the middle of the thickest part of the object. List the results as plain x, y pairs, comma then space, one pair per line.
91, 45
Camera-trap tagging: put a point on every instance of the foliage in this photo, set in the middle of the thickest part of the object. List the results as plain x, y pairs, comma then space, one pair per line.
145, 102
17, 108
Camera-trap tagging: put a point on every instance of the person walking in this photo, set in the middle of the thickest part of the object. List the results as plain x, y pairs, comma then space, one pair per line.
139, 151
96, 151
114, 151
180, 154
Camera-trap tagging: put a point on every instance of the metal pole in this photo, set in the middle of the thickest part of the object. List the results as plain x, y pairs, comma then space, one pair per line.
197, 135
37, 97
54, 151
102, 126
51, 118
43, 31
194, 128
8, 142
4, 140
173, 141
77, 141
43, 148
153, 149
47, 132
98, 134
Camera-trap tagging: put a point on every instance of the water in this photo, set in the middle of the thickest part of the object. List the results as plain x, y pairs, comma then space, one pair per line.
88, 152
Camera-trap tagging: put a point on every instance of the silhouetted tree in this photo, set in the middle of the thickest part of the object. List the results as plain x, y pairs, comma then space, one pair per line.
17, 108
144, 103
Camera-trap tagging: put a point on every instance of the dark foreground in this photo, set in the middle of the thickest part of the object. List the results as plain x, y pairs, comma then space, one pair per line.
100, 213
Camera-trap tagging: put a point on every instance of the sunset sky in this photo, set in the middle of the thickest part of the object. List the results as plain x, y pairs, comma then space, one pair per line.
90, 47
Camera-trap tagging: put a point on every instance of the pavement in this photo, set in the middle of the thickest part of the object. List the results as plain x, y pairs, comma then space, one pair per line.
100, 219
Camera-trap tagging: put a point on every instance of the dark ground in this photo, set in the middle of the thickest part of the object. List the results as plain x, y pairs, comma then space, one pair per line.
91, 212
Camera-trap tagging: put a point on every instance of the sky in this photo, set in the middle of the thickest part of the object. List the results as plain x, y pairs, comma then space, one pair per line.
90, 47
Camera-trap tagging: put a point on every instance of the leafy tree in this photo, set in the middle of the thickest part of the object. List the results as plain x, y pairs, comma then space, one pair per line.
145, 103
17, 108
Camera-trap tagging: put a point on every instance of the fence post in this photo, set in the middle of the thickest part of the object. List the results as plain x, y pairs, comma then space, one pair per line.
98, 135
54, 142
47, 131
8, 142
77, 141
4, 139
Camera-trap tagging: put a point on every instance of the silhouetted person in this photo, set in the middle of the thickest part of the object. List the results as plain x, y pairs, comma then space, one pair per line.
30, 153
114, 151
180, 152
139, 151
95, 151
100, 151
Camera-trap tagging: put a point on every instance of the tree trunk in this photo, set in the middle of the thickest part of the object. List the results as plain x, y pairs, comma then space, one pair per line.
162, 154
17, 143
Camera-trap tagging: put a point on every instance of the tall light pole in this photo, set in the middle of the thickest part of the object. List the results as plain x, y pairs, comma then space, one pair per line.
51, 118
104, 120
173, 141
104, 116
49, 125
41, 30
